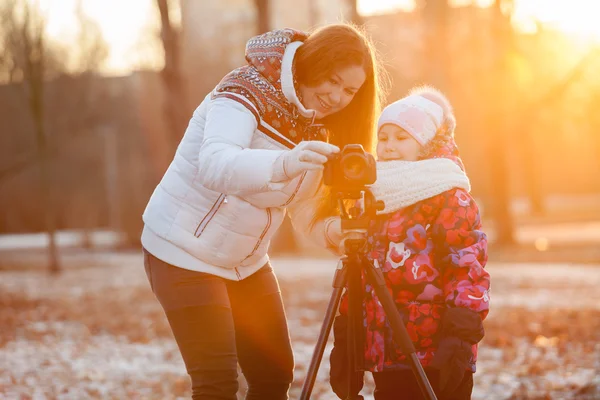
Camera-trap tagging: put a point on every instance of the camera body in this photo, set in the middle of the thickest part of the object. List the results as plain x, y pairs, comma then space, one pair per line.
351, 169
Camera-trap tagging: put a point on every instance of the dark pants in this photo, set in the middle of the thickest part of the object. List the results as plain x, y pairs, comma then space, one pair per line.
392, 385
395, 385
219, 323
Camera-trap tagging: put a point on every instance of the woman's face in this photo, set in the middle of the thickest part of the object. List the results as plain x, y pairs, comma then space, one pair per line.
334, 93
394, 143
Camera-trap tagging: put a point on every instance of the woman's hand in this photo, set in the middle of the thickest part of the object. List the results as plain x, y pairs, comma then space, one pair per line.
306, 156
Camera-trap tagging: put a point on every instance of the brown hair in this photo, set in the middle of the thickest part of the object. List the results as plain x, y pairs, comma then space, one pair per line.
331, 48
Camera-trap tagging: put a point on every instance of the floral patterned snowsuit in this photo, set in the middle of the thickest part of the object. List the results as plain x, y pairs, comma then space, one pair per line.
433, 255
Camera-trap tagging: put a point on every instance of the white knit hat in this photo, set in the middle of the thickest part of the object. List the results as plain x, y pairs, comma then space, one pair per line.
418, 116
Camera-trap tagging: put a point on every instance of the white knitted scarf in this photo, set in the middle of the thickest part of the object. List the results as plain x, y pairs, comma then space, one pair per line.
403, 183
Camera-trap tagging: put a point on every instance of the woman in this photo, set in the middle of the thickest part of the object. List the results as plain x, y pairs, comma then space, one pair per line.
254, 148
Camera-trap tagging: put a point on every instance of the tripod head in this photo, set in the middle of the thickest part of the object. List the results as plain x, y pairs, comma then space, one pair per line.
356, 218
349, 173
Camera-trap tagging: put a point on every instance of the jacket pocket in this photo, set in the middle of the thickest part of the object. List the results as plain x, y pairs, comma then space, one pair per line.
209, 215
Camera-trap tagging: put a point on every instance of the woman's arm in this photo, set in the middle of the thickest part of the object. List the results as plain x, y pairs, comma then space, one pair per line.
226, 163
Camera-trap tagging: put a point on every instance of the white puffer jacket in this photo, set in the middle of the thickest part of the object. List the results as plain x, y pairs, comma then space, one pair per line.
218, 205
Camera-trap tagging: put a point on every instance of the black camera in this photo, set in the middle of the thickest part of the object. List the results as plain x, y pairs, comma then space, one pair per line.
350, 169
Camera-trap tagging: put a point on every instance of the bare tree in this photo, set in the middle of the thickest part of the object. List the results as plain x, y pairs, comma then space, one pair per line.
46, 72
436, 61
78, 82
91, 46
502, 34
176, 102
26, 57
92, 52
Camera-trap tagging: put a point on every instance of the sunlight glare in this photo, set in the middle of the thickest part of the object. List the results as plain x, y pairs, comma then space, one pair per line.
121, 23
371, 7
573, 17
126, 24
576, 17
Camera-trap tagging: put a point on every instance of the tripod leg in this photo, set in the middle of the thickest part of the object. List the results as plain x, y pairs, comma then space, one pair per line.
355, 344
339, 281
376, 278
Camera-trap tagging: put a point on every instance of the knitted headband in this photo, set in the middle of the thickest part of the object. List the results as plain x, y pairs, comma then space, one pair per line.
420, 117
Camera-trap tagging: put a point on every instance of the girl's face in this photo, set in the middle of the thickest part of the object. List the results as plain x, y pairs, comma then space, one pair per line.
335, 93
394, 143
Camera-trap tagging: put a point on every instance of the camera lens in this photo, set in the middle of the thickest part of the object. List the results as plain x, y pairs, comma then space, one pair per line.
353, 166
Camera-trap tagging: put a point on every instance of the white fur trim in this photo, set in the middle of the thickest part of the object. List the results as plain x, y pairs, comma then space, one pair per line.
403, 183
420, 117
287, 80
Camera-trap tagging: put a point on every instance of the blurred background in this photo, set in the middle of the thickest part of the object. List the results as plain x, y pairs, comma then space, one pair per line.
95, 96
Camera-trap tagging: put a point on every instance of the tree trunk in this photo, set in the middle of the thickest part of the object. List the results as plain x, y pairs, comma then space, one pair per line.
32, 35
45, 181
436, 61
499, 140
500, 196
47, 201
175, 101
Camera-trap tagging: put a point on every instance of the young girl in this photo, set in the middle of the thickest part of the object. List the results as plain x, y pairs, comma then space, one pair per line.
429, 244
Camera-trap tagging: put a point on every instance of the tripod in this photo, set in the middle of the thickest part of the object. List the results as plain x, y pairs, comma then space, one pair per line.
348, 273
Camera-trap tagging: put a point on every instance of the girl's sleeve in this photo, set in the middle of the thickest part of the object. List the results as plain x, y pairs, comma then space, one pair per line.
461, 252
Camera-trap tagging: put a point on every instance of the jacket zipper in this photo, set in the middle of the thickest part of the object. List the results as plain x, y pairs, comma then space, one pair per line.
209, 216
262, 235
264, 232
296, 190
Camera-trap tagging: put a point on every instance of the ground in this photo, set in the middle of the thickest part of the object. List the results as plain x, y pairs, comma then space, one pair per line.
97, 332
